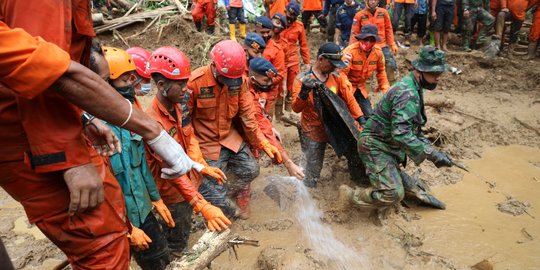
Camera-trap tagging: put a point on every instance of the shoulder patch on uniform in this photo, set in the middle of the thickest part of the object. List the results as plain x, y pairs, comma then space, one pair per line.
364, 17
172, 131
380, 15
342, 11
372, 62
359, 62
233, 90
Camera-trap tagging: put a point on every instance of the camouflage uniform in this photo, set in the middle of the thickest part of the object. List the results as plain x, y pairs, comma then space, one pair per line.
391, 134
477, 12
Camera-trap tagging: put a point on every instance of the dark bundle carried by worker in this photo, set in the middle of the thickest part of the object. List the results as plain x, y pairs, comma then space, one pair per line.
337, 120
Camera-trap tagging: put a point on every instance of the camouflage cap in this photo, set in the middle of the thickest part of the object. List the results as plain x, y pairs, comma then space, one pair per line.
430, 59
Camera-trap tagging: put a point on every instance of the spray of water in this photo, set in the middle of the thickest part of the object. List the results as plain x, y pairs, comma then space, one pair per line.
320, 235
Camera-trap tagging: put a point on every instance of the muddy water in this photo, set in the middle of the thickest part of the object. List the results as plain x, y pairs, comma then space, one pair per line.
472, 228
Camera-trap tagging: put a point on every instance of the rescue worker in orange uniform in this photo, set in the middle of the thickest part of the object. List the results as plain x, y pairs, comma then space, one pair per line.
78, 205
379, 17
202, 8
535, 30
170, 70
235, 13
313, 137
295, 35
140, 58
365, 58
260, 76
219, 94
274, 6
132, 173
408, 7
505, 10
313, 8
275, 53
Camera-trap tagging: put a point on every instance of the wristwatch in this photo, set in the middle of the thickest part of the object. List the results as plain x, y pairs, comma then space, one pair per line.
86, 118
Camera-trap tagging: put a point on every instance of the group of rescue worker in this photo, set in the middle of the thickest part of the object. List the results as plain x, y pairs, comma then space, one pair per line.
89, 166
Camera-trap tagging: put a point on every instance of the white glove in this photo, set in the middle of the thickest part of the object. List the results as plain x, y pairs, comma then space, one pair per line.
174, 155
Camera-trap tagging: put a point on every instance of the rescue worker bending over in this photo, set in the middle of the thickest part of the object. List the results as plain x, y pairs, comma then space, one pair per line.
220, 93
393, 133
313, 137
170, 70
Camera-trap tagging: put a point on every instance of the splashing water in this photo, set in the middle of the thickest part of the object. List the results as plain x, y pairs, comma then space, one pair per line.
321, 236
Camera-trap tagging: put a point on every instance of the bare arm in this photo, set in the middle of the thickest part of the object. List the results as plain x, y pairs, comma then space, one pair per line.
88, 91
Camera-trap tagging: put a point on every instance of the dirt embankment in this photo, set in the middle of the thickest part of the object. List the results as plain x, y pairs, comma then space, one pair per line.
491, 103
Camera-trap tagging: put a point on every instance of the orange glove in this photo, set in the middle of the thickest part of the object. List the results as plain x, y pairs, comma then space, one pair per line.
271, 151
215, 217
164, 212
214, 172
394, 49
138, 239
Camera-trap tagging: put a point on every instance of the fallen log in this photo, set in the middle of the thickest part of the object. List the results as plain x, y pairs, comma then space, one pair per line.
209, 247
122, 4
133, 18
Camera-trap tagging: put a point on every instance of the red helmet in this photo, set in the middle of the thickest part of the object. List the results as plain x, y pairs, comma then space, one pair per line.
169, 62
140, 57
230, 59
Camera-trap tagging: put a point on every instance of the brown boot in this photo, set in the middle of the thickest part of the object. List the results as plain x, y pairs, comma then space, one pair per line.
242, 200
531, 50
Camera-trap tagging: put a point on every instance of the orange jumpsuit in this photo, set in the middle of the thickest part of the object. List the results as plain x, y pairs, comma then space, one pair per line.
275, 53
204, 7
310, 121
180, 189
95, 238
295, 34
313, 5
212, 108
535, 28
277, 6
362, 66
517, 8
381, 19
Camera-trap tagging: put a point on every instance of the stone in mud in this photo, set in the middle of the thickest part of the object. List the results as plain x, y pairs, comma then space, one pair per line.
513, 206
282, 193
271, 258
483, 265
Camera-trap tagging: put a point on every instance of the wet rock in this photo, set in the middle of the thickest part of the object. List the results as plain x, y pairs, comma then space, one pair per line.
483, 265
281, 192
271, 258
513, 206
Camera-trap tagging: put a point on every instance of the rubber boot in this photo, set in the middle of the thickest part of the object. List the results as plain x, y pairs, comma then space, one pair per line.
390, 74
288, 104
232, 31
279, 108
416, 188
210, 29
360, 197
531, 51
198, 26
499, 24
243, 30
242, 200
466, 46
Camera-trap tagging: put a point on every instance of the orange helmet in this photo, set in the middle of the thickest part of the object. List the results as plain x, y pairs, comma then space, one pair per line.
119, 61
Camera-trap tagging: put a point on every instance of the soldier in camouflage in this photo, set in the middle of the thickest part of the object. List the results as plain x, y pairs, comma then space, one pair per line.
473, 11
392, 133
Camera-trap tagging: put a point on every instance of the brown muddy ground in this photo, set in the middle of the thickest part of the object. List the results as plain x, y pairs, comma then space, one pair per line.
492, 213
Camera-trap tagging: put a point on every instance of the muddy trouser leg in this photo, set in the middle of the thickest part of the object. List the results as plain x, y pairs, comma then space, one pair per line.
384, 176
177, 237
514, 29
409, 13
364, 103
470, 22
331, 27
314, 154
416, 188
322, 22
487, 20
157, 255
356, 167
243, 168
391, 65
398, 8
305, 19
213, 192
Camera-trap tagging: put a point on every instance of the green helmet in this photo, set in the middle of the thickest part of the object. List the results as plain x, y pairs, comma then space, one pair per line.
430, 59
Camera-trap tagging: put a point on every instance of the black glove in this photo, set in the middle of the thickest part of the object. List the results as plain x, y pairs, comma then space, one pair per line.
440, 159
308, 84
362, 121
